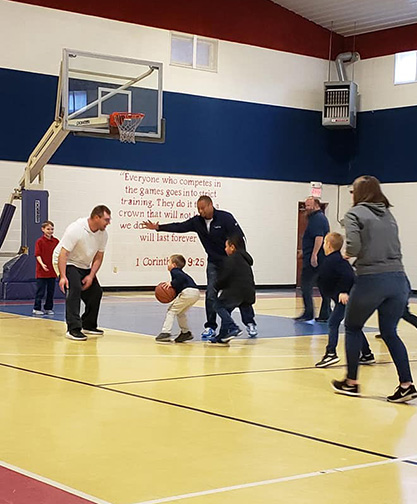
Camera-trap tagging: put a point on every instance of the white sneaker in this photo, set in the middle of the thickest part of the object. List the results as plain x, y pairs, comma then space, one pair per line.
252, 330
37, 312
49, 312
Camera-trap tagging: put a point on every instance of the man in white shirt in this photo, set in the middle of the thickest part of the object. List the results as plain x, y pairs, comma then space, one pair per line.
78, 257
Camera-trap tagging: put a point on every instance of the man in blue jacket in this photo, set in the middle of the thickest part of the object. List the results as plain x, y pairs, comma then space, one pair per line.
316, 230
213, 227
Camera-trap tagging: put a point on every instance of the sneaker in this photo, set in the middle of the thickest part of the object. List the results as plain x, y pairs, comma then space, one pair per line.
215, 341
208, 333
403, 394
252, 330
163, 337
183, 337
49, 312
96, 331
367, 359
303, 318
37, 312
341, 387
327, 360
234, 333
321, 320
76, 335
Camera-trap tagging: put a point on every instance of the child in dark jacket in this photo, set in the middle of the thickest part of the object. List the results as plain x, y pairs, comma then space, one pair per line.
336, 278
237, 287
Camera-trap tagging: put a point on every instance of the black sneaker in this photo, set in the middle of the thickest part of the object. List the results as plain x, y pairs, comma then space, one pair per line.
76, 335
183, 337
321, 320
403, 394
234, 333
327, 360
342, 387
367, 359
163, 337
96, 331
303, 318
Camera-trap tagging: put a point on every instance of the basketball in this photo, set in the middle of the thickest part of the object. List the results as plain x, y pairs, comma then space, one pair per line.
164, 294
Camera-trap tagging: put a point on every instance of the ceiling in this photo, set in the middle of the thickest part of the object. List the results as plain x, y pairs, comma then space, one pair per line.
353, 17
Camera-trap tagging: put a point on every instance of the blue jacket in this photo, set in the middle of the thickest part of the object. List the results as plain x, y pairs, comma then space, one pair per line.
336, 275
180, 280
223, 226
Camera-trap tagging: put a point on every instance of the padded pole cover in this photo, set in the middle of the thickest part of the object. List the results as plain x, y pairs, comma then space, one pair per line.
5, 220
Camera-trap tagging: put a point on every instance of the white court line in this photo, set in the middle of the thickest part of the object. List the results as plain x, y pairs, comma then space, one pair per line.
175, 356
277, 480
52, 483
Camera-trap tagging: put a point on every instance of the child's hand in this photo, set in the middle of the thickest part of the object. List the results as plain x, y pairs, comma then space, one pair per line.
343, 298
45, 267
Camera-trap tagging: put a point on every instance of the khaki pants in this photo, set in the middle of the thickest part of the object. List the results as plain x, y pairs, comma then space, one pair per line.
178, 308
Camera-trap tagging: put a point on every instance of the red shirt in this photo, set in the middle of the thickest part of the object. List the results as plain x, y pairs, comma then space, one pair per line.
44, 248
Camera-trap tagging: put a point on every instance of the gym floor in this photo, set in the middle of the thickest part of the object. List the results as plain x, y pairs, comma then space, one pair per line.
123, 420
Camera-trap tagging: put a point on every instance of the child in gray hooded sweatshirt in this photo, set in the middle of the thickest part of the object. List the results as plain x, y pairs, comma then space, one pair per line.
381, 284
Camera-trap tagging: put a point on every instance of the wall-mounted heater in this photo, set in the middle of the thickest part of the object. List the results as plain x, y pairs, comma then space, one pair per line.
341, 97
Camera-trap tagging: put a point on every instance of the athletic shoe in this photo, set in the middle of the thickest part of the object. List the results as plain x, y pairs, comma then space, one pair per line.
96, 331
303, 318
215, 341
163, 337
49, 312
321, 320
367, 359
208, 333
183, 337
403, 394
306, 320
252, 330
342, 387
37, 312
76, 335
234, 333
327, 360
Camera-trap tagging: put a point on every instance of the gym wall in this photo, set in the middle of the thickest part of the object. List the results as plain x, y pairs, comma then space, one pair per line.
258, 117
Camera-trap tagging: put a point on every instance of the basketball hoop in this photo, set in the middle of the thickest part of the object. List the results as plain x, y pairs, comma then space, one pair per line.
127, 123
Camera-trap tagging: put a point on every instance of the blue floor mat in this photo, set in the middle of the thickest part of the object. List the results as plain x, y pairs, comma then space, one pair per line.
147, 316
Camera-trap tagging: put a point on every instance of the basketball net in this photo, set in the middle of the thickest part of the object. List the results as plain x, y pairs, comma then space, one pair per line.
127, 123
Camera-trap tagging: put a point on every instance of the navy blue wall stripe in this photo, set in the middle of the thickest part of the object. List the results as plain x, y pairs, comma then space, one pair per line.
205, 136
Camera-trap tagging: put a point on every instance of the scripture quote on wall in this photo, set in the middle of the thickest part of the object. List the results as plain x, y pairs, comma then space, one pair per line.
164, 199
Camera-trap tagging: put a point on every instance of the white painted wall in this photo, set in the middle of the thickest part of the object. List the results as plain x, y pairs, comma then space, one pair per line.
375, 78
402, 197
35, 36
266, 210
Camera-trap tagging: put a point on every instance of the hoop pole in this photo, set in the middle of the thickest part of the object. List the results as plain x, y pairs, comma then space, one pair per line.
112, 93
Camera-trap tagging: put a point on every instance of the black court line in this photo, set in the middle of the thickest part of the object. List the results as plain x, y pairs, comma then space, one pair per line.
232, 373
216, 415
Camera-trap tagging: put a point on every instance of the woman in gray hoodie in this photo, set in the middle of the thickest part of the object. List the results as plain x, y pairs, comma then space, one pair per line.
381, 284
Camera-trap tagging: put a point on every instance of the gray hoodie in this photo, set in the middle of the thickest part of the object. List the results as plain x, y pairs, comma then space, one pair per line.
372, 237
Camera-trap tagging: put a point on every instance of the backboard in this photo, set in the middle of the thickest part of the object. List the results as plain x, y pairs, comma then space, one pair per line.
93, 86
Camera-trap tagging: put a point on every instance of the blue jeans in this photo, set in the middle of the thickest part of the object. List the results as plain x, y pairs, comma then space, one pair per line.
211, 295
335, 320
246, 311
309, 276
224, 312
388, 293
41, 285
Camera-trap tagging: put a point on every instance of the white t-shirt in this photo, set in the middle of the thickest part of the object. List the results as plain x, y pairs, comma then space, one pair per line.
81, 243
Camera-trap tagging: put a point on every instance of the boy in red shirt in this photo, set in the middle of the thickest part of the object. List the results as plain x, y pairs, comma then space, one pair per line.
45, 273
